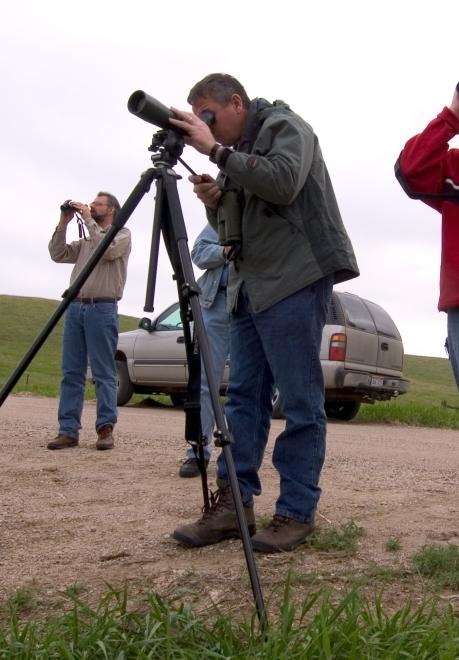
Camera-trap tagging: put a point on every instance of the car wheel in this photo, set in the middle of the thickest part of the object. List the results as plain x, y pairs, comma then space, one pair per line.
343, 410
125, 386
277, 408
177, 400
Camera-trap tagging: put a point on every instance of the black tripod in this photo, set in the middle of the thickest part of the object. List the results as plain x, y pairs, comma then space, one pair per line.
168, 221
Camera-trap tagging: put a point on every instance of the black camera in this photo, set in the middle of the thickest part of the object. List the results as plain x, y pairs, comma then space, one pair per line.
67, 207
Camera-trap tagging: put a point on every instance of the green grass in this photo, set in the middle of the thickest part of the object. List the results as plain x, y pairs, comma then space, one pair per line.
393, 544
21, 320
24, 599
439, 563
321, 627
431, 383
333, 539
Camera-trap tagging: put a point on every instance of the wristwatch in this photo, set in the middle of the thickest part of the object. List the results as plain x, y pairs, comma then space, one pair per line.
223, 154
213, 153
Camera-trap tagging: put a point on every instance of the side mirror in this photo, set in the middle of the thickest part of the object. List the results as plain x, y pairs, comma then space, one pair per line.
145, 324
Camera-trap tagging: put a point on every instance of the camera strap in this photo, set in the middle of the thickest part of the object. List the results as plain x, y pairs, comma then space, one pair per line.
81, 230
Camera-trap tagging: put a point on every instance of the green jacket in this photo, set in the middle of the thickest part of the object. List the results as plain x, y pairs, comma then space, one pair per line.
292, 232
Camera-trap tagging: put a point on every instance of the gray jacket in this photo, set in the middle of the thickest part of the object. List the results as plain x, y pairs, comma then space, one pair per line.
208, 255
292, 232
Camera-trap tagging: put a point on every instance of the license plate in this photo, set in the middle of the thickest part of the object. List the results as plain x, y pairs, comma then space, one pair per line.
376, 381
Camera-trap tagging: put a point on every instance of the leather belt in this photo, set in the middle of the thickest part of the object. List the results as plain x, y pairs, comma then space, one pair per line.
94, 301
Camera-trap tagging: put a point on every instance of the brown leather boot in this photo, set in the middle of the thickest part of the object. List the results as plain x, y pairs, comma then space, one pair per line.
62, 441
105, 437
282, 534
218, 523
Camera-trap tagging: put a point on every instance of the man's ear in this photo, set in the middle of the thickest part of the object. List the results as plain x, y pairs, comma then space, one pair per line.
236, 100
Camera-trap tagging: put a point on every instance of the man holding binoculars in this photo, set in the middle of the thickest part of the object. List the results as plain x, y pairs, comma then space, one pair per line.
274, 187
91, 320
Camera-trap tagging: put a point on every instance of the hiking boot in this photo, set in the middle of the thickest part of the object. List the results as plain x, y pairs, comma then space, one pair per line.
217, 523
282, 534
105, 437
190, 468
62, 441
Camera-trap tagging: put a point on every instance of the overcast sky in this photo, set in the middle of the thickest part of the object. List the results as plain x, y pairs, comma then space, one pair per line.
366, 76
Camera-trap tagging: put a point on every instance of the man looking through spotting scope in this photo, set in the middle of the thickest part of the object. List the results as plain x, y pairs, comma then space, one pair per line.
91, 320
290, 248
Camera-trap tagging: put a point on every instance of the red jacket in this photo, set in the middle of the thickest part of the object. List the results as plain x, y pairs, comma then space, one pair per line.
426, 162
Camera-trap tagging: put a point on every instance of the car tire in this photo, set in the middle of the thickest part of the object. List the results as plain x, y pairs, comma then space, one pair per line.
277, 408
125, 386
342, 410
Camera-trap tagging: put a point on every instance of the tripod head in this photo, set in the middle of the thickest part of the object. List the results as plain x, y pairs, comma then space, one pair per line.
167, 146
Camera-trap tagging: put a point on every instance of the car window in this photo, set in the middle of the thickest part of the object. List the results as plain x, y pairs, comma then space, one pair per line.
335, 314
357, 315
384, 323
170, 320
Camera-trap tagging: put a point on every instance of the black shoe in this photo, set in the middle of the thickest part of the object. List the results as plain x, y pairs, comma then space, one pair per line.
190, 468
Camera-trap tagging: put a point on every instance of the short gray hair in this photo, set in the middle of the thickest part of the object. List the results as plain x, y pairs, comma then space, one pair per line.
220, 87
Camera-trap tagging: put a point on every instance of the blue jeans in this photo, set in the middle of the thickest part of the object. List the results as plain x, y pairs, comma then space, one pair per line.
90, 331
280, 345
453, 341
216, 321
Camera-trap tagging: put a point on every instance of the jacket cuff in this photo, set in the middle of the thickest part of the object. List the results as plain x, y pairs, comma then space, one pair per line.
450, 118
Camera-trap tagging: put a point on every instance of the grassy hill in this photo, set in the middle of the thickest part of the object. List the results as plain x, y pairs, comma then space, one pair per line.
22, 318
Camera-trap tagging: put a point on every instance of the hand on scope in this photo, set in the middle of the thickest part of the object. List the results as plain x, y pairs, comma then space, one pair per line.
197, 133
206, 189
454, 107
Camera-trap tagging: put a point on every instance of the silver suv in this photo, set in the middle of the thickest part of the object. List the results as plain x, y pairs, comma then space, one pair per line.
361, 356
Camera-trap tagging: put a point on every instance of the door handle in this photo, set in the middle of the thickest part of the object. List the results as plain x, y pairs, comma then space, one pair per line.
181, 340
384, 346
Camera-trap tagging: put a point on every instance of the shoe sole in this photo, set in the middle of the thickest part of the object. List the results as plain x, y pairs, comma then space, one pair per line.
188, 475
66, 447
193, 543
259, 546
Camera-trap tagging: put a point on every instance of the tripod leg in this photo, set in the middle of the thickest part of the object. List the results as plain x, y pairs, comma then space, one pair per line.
192, 407
154, 251
142, 187
176, 239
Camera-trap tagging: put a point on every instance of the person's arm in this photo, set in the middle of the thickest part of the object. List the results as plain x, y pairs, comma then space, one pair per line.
59, 250
206, 252
280, 161
426, 157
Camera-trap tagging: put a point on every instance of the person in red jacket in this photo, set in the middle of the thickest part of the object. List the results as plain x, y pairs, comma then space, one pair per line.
428, 169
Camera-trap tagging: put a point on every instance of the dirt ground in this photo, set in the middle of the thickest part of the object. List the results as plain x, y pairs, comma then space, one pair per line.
84, 519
